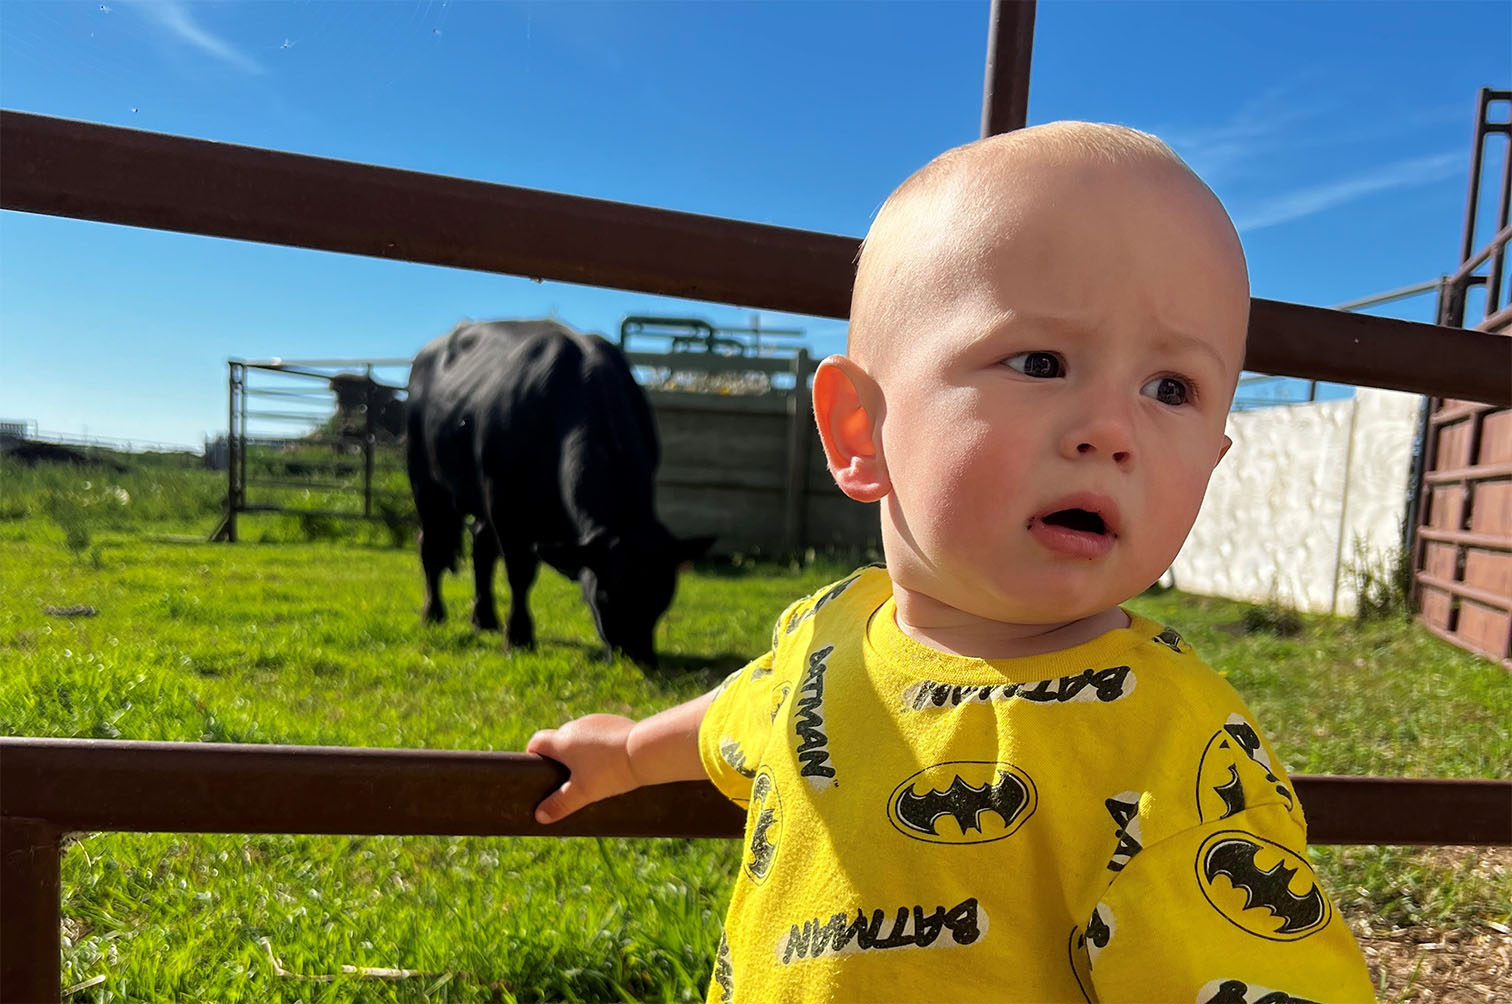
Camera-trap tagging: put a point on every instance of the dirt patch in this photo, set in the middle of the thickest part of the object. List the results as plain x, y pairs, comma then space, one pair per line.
1442, 967
1471, 964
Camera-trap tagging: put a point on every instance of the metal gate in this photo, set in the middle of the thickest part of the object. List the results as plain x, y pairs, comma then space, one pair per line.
317, 438
1463, 552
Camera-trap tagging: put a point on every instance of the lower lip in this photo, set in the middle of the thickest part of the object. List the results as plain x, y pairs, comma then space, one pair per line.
1071, 543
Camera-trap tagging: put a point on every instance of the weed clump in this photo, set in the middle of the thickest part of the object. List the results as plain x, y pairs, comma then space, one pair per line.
1273, 617
1382, 583
70, 514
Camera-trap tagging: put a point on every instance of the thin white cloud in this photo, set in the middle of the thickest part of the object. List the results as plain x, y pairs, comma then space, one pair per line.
1263, 124
174, 17
1318, 198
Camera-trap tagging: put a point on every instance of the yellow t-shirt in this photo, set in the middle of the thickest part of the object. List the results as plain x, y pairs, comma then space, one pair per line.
1102, 823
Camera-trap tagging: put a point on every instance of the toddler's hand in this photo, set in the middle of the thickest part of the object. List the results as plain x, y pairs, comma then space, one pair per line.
593, 749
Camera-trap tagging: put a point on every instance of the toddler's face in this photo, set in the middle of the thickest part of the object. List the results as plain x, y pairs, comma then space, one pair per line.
1054, 413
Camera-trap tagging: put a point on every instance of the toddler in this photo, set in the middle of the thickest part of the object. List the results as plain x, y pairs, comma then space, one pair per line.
972, 775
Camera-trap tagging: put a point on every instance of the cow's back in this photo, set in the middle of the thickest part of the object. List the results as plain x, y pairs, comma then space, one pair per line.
537, 410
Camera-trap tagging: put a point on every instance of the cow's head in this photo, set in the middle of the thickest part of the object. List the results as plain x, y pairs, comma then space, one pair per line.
628, 580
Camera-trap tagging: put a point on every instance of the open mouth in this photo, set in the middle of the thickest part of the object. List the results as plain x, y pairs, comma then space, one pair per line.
1083, 525
1083, 520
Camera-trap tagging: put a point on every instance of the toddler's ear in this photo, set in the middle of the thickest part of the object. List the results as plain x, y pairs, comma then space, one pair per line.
1223, 450
847, 408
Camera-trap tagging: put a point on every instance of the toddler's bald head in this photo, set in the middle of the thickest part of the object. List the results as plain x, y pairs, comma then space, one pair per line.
942, 225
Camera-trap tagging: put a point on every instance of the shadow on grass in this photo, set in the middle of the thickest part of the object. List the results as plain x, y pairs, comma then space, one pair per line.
741, 566
715, 666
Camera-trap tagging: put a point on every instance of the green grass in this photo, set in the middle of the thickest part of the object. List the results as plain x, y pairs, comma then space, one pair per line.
321, 643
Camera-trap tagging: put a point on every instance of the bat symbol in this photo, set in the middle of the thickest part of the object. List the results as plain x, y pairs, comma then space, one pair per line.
1234, 856
765, 828
762, 848
1232, 793
1006, 795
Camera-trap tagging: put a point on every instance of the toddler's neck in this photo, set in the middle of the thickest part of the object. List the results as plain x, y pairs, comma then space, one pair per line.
948, 629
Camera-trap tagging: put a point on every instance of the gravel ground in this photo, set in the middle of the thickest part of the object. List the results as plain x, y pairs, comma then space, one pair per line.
1468, 965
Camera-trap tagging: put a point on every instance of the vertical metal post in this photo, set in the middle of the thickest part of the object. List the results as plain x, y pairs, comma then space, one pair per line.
1010, 43
367, 444
227, 529
1498, 257
1412, 544
241, 438
236, 446
30, 966
795, 491
1472, 200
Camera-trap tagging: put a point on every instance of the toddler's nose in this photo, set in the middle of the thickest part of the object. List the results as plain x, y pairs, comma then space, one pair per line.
1119, 456
1104, 431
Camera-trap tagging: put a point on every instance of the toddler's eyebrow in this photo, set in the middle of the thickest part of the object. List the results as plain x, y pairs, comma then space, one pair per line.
1179, 342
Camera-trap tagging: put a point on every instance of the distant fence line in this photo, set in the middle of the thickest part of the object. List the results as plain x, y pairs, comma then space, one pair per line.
17, 430
740, 459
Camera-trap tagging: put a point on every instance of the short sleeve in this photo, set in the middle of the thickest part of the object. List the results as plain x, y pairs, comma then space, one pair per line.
733, 734
1227, 912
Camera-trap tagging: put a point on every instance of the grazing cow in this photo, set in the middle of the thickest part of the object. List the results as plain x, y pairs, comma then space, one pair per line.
543, 436
355, 394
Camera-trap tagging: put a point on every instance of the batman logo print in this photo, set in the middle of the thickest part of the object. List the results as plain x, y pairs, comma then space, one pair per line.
764, 827
1235, 773
779, 697
1261, 887
731, 753
963, 802
1240, 992
1170, 639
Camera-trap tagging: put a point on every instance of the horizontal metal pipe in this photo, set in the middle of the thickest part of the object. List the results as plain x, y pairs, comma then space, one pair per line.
1477, 472
324, 486
1391, 296
113, 175
289, 416
315, 394
88, 784
1315, 343
292, 364
1488, 541
267, 507
1497, 321
1458, 412
1486, 597
1479, 258
82, 784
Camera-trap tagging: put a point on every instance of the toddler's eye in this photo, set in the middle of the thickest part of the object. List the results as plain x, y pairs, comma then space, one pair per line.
1041, 365
1168, 390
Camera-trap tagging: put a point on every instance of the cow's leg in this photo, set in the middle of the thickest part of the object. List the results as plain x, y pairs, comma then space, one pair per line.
485, 553
440, 533
520, 564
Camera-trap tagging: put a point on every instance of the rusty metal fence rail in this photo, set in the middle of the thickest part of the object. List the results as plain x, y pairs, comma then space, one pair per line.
87, 171
56, 786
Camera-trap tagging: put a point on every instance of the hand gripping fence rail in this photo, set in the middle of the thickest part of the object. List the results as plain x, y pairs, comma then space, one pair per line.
56, 786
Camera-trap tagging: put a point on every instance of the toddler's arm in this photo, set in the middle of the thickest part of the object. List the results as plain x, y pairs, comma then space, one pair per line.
611, 754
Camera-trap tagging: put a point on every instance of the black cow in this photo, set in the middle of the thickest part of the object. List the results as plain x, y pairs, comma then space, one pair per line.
355, 394
543, 435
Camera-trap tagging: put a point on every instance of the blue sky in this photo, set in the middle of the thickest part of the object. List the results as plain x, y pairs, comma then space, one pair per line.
1338, 135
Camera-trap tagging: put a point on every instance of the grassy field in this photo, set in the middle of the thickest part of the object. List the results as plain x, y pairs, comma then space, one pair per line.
320, 643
